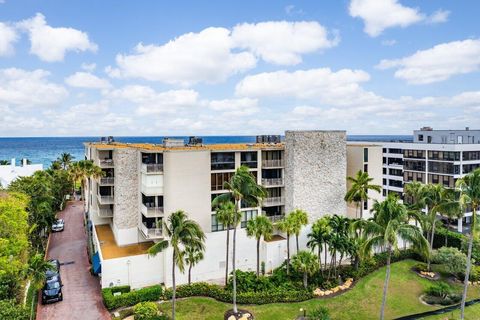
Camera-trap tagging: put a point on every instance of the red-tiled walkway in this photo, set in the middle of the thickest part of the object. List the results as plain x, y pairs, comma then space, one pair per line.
81, 292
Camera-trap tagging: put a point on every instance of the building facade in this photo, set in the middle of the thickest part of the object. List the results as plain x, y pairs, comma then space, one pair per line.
144, 183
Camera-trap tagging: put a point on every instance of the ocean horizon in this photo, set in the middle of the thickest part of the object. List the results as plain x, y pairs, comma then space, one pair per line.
44, 150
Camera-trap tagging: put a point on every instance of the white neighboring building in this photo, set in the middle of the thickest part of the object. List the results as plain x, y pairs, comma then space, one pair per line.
11, 171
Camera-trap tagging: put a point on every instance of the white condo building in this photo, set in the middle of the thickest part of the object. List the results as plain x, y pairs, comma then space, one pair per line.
12, 171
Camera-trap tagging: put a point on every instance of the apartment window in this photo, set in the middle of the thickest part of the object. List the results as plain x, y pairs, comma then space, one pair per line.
415, 165
420, 137
384, 182
443, 167
384, 170
395, 183
246, 216
213, 196
409, 176
444, 155
152, 158
365, 205
414, 154
219, 179
429, 139
384, 160
471, 155
396, 151
216, 225
365, 154
384, 150
384, 192
446, 181
395, 172
467, 168
222, 160
365, 167
249, 159
395, 161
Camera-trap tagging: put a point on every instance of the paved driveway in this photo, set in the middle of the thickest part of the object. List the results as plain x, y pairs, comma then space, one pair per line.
81, 292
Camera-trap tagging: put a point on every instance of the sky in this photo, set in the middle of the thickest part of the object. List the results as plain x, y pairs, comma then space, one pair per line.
110, 67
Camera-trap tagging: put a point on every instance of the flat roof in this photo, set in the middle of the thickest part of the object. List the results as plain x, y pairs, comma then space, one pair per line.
212, 147
110, 249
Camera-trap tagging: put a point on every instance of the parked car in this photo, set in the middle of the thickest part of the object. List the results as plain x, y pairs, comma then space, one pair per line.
54, 270
58, 225
52, 290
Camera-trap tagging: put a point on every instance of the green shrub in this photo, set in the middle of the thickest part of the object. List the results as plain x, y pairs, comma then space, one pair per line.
475, 250
439, 289
320, 313
420, 267
130, 298
453, 260
10, 310
145, 311
454, 239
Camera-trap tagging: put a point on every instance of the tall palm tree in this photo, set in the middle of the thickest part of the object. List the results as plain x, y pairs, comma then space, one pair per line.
84, 170
242, 187
305, 262
286, 225
225, 215
4, 162
65, 159
182, 233
300, 219
193, 255
469, 187
318, 238
360, 185
389, 224
259, 227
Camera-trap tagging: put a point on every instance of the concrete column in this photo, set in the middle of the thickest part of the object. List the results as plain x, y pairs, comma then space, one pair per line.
460, 225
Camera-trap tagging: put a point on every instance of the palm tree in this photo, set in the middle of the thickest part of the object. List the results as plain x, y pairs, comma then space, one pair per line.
358, 192
469, 187
36, 269
307, 263
318, 238
300, 219
259, 227
84, 170
389, 224
225, 215
242, 187
182, 233
4, 162
286, 225
193, 255
65, 159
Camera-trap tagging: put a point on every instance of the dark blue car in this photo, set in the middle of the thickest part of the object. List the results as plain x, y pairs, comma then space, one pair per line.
52, 290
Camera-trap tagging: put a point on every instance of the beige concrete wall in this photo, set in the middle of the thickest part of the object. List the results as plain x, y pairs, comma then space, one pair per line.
187, 185
315, 172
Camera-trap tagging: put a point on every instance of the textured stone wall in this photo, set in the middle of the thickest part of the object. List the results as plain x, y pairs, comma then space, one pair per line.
126, 211
315, 172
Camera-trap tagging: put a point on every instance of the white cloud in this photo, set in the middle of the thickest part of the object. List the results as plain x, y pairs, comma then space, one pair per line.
8, 36
193, 57
29, 88
90, 67
380, 15
439, 16
87, 80
235, 107
148, 101
389, 43
51, 44
292, 9
438, 63
283, 42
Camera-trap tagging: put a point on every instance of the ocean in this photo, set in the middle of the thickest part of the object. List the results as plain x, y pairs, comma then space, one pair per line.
44, 150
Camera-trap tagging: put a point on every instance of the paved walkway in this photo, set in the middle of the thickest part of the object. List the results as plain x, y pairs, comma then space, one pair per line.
81, 292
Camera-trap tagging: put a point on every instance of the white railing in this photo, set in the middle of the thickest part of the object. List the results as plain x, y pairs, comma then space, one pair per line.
105, 162
152, 167
107, 180
273, 201
272, 182
105, 199
276, 218
151, 212
272, 163
151, 233
104, 213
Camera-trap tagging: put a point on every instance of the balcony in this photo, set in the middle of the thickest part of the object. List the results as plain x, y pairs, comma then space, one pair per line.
152, 168
273, 201
150, 233
273, 182
104, 212
276, 218
105, 163
106, 181
105, 199
279, 163
151, 212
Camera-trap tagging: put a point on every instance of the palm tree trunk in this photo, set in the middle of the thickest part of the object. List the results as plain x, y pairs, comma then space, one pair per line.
467, 272
305, 280
431, 245
361, 210
258, 257
189, 274
288, 253
173, 285
385, 285
326, 254
234, 293
226, 258
296, 238
320, 259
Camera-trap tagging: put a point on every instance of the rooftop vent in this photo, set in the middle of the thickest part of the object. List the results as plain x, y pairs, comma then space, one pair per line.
427, 129
171, 142
268, 139
108, 139
195, 141
467, 128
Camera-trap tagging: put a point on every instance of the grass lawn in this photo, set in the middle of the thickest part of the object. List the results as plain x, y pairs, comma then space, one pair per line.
362, 302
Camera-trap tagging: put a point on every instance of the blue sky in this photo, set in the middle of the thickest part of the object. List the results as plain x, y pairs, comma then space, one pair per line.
223, 68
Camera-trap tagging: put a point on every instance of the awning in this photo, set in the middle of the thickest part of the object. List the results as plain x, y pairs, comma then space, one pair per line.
97, 265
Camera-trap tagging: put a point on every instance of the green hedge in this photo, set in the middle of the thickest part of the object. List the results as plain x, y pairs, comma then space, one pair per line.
129, 298
454, 239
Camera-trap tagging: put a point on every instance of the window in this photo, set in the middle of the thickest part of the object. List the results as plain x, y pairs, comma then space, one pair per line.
384, 150
384, 170
414, 154
444, 155
384, 182
443, 167
365, 205
471, 155
395, 161
365, 167
395, 183
395, 172
218, 180
467, 168
365, 155
429, 139
384, 192
216, 226
396, 151
420, 137
249, 159
415, 165
152, 158
409, 176
222, 161
246, 216
446, 181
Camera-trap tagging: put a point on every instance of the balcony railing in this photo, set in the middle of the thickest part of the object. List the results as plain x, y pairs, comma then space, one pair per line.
104, 212
105, 199
106, 181
151, 212
273, 182
273, 163
276, 218
273, 201
104, 163
150, 233
152, 167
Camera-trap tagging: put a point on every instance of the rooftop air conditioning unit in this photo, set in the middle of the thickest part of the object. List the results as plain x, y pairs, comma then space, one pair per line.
171, 142
195, 141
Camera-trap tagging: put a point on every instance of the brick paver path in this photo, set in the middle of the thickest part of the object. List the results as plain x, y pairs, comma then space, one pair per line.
81, 291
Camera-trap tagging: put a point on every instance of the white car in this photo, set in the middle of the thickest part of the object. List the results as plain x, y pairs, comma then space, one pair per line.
59, 225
